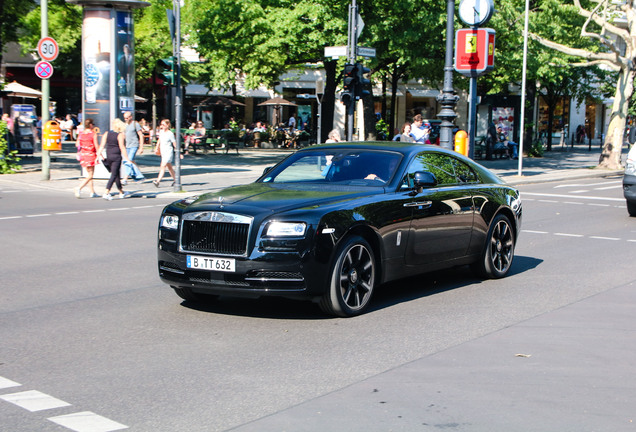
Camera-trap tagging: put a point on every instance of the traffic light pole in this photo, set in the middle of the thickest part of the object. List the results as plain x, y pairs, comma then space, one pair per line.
352, 44
176, 49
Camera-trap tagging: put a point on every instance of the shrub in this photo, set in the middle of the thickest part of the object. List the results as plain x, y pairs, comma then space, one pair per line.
8, 158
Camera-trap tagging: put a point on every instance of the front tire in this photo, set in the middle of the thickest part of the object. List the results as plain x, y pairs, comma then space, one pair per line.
631, 208
352, 279
498, 252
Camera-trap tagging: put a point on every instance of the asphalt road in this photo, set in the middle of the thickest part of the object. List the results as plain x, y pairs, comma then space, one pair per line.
87, 327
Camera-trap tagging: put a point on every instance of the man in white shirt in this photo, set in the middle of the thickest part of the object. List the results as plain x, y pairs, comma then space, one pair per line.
417, 132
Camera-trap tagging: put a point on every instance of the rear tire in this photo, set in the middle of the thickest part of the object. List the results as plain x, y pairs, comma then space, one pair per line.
496, 257
191, 296
352, 279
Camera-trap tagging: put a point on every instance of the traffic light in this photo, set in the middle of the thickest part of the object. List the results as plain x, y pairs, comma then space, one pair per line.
349, 77
349, 80
166, 70
362, 83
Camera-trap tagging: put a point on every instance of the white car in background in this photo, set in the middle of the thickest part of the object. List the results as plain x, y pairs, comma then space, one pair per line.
629, 181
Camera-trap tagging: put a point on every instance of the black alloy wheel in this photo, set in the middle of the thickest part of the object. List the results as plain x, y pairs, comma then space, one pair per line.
352, 279
498, 252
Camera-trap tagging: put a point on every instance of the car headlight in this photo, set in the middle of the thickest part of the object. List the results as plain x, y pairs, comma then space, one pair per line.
286, 229
170, 221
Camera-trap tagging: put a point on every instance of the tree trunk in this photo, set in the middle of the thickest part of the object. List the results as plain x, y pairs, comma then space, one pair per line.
328, 100
612, 146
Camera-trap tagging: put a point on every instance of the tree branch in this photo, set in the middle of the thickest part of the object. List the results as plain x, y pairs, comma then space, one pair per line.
601, 22
577, 52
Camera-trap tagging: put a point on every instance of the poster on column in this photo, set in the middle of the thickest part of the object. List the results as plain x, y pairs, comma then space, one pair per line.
96, 59
125, 63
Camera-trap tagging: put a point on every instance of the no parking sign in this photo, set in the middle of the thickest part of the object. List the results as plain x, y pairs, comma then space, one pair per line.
43, 70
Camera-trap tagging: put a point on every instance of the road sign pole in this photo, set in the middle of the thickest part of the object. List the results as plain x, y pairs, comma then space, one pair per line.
46, 157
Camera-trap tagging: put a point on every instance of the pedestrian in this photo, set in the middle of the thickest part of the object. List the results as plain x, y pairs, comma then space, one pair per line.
406, 133
419, 133
87, 155
134, 137
166, 146
114, 143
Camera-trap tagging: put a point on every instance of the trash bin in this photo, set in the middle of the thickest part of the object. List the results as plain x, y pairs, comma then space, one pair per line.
51, 136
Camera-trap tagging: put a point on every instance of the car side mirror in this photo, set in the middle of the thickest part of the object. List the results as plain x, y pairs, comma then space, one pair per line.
422, 179
267, 169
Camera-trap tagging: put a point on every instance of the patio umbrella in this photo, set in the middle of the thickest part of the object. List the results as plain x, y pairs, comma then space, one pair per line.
219, 100
16, 89
277, 103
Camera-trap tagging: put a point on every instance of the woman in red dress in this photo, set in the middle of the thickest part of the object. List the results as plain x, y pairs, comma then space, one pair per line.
87, 150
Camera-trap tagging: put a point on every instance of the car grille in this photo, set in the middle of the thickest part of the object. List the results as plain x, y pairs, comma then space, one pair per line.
224, 238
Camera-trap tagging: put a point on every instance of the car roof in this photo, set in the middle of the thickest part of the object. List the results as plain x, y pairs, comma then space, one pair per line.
396, 146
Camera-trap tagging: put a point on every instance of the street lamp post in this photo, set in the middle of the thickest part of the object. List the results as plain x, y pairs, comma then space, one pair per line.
448, 98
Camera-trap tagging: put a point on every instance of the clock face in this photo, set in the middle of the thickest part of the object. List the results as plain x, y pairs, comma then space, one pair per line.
475, 12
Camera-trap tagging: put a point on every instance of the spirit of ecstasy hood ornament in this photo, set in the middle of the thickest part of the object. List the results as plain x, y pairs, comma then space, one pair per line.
220, 199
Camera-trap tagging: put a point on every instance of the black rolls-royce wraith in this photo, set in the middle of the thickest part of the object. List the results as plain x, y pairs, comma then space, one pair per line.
331, 223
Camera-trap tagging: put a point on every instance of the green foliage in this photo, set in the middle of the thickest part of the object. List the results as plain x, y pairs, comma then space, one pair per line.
65, 26
536, 149
8, 159
382, 129
11, 11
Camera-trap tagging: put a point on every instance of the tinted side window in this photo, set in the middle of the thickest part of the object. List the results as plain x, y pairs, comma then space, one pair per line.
447, 169
464, 173
417, 164
442, 167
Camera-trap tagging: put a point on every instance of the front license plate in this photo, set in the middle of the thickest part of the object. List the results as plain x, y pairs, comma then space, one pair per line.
211, 263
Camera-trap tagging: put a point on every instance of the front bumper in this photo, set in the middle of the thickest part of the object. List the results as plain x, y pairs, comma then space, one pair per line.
629, 187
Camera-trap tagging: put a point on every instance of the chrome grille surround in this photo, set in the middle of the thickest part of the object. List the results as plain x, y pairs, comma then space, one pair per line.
215, 233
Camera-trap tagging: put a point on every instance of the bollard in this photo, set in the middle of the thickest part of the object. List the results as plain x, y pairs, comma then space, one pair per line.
461, 142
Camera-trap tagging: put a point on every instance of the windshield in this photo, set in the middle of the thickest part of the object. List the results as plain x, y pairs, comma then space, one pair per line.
338, 166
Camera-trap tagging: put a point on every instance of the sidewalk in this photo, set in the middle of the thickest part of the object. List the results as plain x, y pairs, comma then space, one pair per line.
204, 172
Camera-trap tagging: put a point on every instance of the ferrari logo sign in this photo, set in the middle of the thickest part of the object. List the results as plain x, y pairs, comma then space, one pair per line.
474, 51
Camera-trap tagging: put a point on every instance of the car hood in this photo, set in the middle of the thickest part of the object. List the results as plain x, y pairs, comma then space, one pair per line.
279, 197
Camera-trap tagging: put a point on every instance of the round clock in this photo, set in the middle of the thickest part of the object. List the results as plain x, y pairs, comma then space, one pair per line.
476, 12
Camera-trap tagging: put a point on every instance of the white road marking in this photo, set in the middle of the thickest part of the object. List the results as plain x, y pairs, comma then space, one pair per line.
534, 232
11, 217
38, 215
572, 202
598, 204
87, 421
587, 185
570, 196
547, 201
604, 238
6, 383
619, 186
569, 235
68, 213
580, 191
34, 400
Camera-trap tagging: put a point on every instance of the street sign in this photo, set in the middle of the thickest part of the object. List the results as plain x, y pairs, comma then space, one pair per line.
474, 51
48, 49
336, 51
366, 52
43, 70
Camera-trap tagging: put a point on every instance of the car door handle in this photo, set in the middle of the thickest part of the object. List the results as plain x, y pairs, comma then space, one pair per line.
419, 204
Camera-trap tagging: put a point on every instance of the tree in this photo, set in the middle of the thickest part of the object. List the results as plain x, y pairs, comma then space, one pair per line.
11, 11
617, 51
260, 40
65, 26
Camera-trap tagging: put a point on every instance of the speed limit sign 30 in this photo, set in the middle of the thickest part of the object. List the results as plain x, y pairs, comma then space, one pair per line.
48, 49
